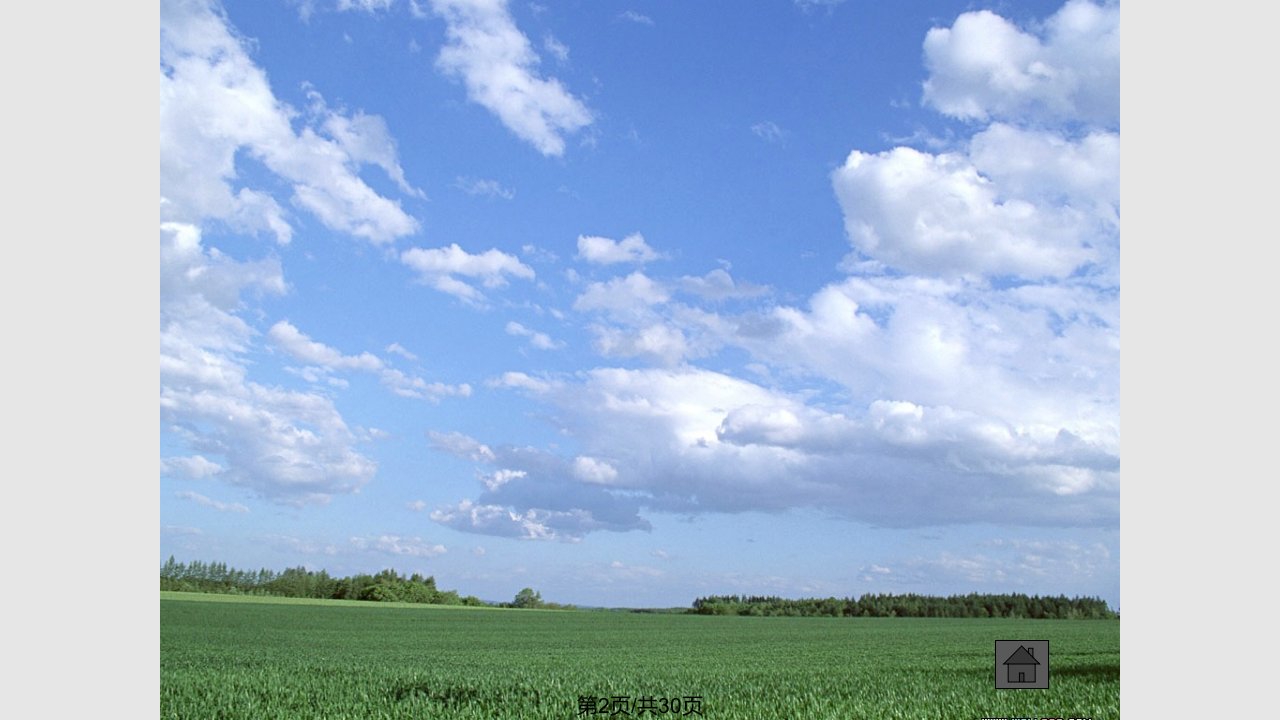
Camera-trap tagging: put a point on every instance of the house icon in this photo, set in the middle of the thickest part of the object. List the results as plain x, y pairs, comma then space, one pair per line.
1022, 665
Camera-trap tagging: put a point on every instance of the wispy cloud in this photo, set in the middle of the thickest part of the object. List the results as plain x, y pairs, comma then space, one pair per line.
497, 64
484, 187
539, 340
208, 502
768, 131
635, 17
303, 348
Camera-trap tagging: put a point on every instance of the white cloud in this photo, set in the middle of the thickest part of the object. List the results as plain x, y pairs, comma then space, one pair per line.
411, 386
541, 341
484, 187
557, 49
497, 64
604, 251
811, 4
216, 103
195, 467
503, 521
937, 215
627, 297
397, 545
365, 138
456, 443
537, 495
690, 440
500, 478
290, 447
523, 381
199, 499
719, 285
1048, 169
657, 341
635, 17
1035, 355
591, 470
438, 266
967, 371
984, 67
368, 6
768, 131
398, 349
303, 348
417, 505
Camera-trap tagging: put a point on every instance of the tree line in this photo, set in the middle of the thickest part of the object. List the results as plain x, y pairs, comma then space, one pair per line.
972, 605
299, 582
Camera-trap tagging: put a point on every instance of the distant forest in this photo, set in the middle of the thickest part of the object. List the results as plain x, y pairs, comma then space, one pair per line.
972, 605
390, 586
299, 582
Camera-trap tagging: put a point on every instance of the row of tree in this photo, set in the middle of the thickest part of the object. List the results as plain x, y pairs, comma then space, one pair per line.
299, 582
972, 605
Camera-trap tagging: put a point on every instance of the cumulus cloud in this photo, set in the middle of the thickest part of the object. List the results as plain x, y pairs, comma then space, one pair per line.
625, 297
504, 522
657, 342
984, 67
605, 251
1035, 193
215, 103
497, 64
287, 446
1034, 355
965, 371
692, 440
1047, 168
440, 268
719, 285
937, 215
537, 495
589, 469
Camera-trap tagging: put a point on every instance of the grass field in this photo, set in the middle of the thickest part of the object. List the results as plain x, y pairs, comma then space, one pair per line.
223, 657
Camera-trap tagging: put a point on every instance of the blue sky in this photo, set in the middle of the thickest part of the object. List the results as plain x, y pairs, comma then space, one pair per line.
635, 302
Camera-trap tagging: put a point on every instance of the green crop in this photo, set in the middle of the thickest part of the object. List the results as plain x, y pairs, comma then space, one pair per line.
224, 658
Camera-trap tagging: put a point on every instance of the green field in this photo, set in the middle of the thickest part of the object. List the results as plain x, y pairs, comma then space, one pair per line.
226, 657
